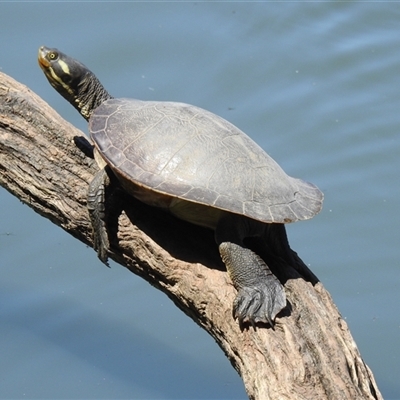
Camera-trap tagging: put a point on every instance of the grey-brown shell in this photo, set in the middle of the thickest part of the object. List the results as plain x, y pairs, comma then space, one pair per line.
189, 153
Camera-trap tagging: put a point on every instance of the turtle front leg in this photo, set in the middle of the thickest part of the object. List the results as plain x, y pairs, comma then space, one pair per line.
260, 295
96, 208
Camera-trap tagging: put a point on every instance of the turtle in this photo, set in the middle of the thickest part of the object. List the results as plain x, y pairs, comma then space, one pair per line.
197, 166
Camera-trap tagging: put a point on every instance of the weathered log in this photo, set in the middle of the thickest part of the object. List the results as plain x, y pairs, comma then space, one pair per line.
309, 355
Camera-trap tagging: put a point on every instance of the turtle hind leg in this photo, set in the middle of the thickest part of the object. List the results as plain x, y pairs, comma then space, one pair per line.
96, 208
260, 295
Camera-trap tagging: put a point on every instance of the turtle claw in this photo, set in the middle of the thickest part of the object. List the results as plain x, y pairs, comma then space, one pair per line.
260, 304
100, 242
101, 245
260, 295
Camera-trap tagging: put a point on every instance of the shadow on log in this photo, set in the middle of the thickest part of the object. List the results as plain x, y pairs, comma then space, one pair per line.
309, 355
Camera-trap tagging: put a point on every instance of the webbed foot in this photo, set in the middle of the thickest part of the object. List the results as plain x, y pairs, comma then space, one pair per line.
259, 304
260, 294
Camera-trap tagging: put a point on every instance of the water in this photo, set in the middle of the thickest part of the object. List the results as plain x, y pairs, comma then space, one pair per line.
315, 84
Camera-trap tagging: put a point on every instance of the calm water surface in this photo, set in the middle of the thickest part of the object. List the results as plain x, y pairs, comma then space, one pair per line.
315, 84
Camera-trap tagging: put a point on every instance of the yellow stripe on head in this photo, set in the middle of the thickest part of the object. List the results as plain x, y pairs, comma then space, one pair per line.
64, 66
54, 77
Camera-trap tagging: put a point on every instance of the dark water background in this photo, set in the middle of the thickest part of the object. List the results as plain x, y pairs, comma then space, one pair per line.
315, 84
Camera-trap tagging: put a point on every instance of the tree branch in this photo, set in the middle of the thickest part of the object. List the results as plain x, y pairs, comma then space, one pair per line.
310, 354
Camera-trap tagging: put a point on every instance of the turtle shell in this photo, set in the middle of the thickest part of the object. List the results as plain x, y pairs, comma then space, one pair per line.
181, 151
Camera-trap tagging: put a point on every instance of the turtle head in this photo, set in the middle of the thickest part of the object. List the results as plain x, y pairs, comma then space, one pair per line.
72, 80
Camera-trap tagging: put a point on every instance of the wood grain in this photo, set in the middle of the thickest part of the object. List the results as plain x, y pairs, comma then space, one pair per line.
309, 355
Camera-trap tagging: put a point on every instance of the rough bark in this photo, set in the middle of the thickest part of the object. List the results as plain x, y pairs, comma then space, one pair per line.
309, 355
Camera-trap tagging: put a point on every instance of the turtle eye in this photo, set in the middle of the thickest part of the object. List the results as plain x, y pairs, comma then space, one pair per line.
53, 55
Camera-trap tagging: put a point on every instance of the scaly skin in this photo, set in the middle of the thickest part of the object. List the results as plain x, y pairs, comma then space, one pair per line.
260, 295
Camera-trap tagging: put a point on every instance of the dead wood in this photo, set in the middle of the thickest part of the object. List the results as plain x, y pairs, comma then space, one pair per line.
309, 355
